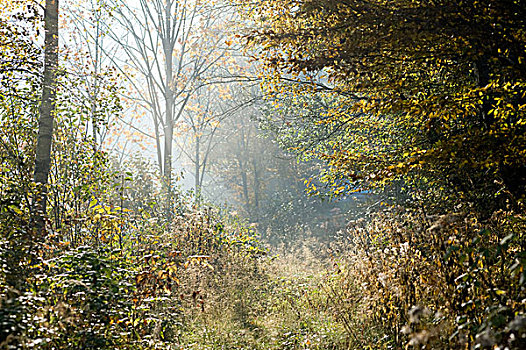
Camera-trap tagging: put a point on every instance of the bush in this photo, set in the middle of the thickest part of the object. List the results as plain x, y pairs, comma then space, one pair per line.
87, 300
441, 282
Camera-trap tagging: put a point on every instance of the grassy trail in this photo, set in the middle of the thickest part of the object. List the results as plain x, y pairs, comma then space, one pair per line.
289, 306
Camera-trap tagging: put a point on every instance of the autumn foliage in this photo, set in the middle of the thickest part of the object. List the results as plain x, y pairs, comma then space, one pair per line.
429, 92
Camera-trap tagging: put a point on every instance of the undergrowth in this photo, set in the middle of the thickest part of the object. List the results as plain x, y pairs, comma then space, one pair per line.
400, 279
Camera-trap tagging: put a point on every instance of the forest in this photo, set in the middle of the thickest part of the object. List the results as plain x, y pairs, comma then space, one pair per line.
266, 174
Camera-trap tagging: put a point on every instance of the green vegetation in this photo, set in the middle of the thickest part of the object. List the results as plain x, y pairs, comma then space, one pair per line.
403, 120
431, 93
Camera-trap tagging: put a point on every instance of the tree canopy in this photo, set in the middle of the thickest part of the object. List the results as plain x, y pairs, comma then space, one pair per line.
427, 91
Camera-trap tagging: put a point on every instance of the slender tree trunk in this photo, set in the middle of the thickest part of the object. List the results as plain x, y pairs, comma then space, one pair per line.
244, 179
245, 185
158, 144
169, 120
156, 122
197, 169
47, 108
256, 190
95, 87
243, 160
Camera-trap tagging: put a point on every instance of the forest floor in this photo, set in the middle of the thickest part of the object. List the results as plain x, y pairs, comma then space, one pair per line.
290, 306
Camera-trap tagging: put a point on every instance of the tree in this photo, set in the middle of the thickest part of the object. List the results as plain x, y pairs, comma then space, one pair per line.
20, 80
198, 128
170, 46
47, 106
432, 93
212, 105
88, 54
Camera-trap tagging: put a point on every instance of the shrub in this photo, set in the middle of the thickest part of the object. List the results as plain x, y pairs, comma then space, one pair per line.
438, 282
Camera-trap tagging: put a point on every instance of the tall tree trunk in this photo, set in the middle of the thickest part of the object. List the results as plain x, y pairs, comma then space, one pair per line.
47, 108
169, 100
